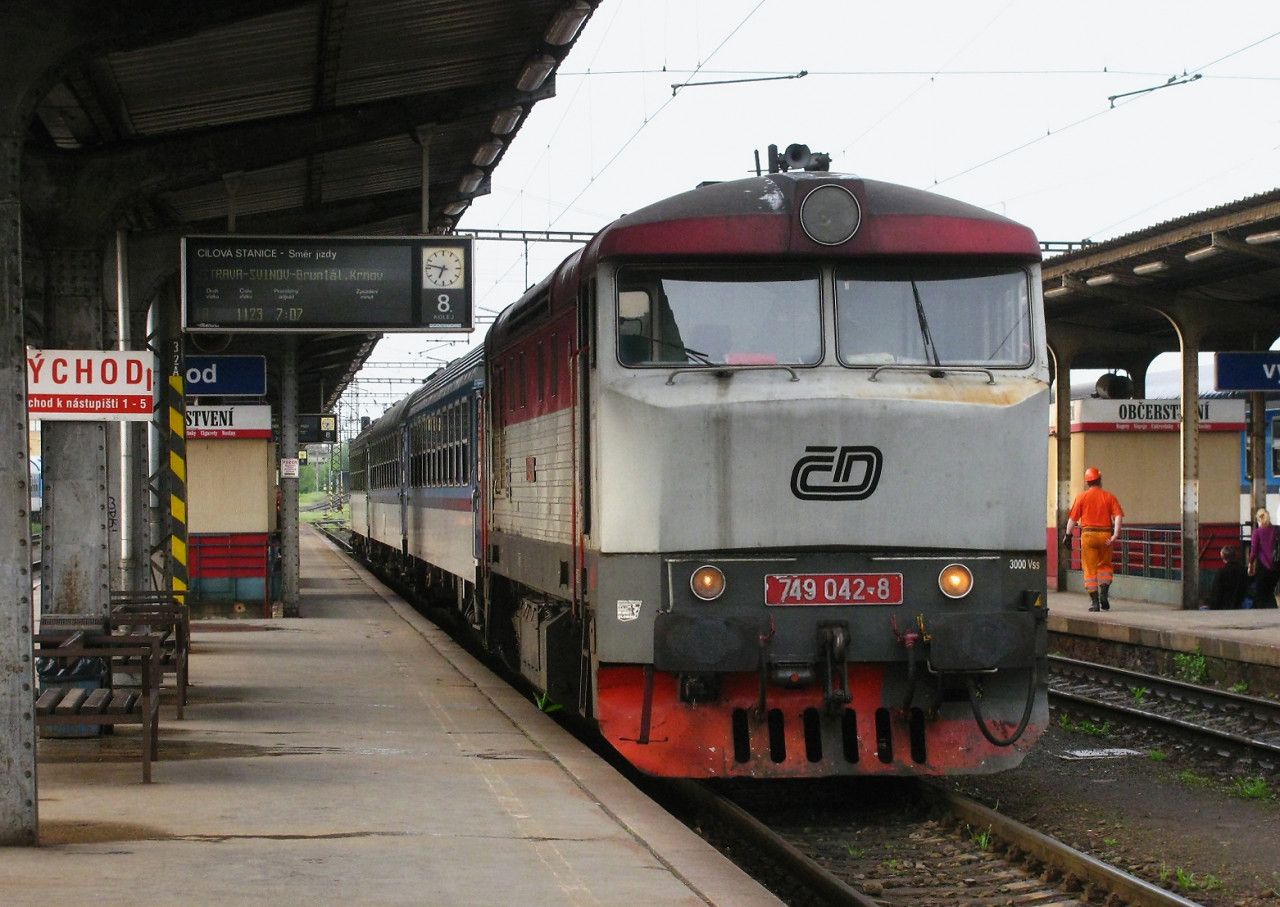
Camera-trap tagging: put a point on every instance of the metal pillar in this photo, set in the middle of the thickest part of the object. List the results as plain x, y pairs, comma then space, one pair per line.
18, 811
75, 556
289, 487
1062, 427
1190, 468
1258, 454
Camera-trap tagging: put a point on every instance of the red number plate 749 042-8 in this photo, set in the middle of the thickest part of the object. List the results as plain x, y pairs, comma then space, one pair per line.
833, 589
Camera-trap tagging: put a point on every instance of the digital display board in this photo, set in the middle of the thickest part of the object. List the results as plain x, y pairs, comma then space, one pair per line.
269, 284
317, 428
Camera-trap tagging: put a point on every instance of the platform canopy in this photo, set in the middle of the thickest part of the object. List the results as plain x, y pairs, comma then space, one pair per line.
1213, 275
267, 117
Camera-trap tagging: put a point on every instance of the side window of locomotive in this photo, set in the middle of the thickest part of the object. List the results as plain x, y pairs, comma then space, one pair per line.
716, 316
927, 316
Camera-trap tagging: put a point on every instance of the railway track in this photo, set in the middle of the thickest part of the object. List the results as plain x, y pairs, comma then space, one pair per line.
1221, 721
907, 843
818, 843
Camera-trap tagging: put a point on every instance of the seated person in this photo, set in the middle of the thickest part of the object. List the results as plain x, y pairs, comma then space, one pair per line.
1232, 582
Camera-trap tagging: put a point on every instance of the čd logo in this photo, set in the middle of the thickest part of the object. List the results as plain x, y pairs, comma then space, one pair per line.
828, 474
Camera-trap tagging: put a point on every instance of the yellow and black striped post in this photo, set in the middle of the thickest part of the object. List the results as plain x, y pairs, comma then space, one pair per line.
175, 401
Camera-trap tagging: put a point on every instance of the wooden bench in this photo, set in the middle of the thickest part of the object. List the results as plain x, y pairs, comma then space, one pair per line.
162, 613
105, 706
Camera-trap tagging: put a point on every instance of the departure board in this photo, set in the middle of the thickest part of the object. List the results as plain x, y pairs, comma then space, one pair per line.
269, 284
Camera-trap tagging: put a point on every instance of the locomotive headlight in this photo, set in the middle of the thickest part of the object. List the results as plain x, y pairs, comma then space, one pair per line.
830, 215
955, 581
707, 583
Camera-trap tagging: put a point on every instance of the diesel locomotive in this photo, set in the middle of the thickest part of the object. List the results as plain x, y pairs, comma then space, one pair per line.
753, 481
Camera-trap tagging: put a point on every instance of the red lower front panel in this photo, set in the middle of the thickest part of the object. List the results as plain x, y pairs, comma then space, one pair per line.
640, 713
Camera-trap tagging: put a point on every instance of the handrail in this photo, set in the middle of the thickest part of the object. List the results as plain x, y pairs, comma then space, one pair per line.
935, 371
728, 371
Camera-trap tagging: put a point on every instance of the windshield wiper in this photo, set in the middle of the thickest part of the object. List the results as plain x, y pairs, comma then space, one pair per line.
930, 347
692, 355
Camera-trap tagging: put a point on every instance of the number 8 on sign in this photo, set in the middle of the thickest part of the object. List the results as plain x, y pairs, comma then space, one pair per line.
442, 304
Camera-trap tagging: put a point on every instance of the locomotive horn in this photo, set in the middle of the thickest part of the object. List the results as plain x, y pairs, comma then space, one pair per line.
796, 157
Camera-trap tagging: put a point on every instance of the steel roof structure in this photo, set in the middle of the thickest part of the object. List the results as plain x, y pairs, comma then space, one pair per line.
276, 117
1212, 277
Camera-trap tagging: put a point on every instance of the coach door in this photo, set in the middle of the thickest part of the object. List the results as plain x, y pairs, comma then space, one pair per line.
473, 456
404, 488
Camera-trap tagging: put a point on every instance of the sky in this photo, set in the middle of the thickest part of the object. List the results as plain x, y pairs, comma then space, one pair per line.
1003, 104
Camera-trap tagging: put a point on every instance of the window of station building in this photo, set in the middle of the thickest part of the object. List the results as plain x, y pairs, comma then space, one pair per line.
1275, 447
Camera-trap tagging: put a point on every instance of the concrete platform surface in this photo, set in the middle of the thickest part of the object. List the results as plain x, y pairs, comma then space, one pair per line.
355, 755
1251, 636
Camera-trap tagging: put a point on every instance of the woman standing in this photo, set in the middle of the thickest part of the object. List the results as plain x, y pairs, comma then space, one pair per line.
1262, 561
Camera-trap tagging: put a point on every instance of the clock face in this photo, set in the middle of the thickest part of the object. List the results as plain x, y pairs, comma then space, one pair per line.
442, 268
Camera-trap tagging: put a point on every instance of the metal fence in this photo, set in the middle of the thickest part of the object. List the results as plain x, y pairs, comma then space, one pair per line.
1155, 552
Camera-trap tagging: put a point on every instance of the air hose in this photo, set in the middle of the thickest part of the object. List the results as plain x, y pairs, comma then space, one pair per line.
1026, 712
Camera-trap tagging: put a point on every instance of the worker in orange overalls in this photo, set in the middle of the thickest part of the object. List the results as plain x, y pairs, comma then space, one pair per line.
1098, 514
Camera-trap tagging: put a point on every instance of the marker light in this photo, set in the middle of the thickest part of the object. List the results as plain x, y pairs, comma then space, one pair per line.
955, 581
707, 583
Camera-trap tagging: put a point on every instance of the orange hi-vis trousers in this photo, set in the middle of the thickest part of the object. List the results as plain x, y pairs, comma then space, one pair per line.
1095, 555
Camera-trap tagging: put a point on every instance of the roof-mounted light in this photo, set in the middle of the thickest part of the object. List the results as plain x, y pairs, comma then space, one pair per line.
456, 208
505, 120
487, 153
535, 72
1202, 254
1152, 267
470, 182
564, 27
1261, 239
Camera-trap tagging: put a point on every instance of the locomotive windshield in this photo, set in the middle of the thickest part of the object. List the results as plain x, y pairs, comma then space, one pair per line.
719, 316
932, 316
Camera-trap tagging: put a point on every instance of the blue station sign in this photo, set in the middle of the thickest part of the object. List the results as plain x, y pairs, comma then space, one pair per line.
226, 376
1247, 371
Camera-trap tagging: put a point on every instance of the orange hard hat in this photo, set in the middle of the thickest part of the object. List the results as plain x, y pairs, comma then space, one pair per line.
1091, 474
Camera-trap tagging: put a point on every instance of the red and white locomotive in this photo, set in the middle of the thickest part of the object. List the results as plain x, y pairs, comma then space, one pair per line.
753, 481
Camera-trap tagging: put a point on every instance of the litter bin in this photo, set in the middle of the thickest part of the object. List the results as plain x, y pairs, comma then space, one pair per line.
69, 674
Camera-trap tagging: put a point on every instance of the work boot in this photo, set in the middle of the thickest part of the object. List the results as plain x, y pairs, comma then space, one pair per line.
1093, 597
1102, 597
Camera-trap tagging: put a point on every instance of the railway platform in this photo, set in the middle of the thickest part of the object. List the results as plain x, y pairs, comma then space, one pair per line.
355, 756
1251, 637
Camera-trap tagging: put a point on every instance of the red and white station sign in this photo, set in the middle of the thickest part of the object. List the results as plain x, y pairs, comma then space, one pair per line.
228, 422
90, 385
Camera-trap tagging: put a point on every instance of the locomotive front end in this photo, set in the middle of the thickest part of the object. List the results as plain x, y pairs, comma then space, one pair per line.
818, 453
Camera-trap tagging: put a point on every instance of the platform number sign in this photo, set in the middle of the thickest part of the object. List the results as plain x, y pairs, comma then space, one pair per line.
446, 281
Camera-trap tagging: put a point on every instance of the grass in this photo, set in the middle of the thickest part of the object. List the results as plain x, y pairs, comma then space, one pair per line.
1241, 687
1191, 668
1139, 694
1186, 776
1157, 755
1252, 789
981, 838
1189, 881
1086, 726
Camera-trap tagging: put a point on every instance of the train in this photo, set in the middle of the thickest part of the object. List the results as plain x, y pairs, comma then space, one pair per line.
752, 481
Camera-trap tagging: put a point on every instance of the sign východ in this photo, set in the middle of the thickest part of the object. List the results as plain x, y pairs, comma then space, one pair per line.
90, 385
